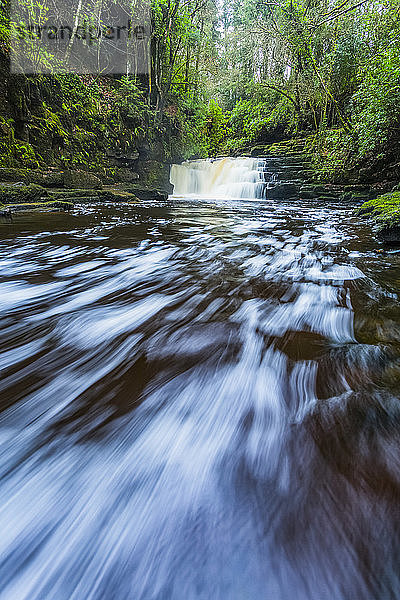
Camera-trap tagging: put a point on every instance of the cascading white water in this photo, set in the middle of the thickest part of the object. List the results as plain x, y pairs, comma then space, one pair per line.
221, 178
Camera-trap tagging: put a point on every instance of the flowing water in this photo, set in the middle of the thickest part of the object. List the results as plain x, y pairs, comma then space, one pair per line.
223, 178
199, 401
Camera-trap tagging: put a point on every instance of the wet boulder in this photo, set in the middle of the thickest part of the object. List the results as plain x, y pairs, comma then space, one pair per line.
389, 235
147, 194
283, 190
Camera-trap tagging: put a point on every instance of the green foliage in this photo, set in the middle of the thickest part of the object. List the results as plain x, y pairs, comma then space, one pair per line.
256, 119
224, 77
14, 151
332, 151
216, 129
190, 123
376, 107
4, 25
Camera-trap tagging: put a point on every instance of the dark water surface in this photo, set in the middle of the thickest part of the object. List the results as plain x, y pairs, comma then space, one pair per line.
199, 401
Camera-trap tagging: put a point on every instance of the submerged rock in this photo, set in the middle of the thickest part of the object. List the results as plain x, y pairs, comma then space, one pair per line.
390, 235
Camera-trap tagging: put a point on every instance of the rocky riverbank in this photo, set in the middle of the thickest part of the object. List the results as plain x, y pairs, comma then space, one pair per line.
293, 176
290, 175
34, 190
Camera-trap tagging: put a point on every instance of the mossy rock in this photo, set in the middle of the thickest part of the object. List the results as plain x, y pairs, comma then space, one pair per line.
293, 146
154, 175
36, 207
384, 211
283, 190
307, 192
51, 180
20, 193
346, 196
328, 197
125, 175
320, 189
74, 194
147, 194
356, 188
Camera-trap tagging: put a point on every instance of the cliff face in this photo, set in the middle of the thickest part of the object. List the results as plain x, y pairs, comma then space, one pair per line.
71, 123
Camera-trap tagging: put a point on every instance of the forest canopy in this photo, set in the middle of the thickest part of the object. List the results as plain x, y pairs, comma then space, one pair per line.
222, 77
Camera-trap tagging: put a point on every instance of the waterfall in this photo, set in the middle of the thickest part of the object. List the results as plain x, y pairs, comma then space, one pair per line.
221, 178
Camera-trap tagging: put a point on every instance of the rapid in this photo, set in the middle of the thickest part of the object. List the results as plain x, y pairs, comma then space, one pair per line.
199, 398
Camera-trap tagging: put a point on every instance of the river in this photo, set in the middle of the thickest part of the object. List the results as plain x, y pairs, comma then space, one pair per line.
199, 401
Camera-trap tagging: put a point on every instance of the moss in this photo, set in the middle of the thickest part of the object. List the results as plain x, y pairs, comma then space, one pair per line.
290, 147
73, 193
17, 194
383, 210
37, 206
118, 196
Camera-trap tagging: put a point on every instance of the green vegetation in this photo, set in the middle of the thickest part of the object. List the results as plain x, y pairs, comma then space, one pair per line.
224, 77
384, 210
77, 121
329, 71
